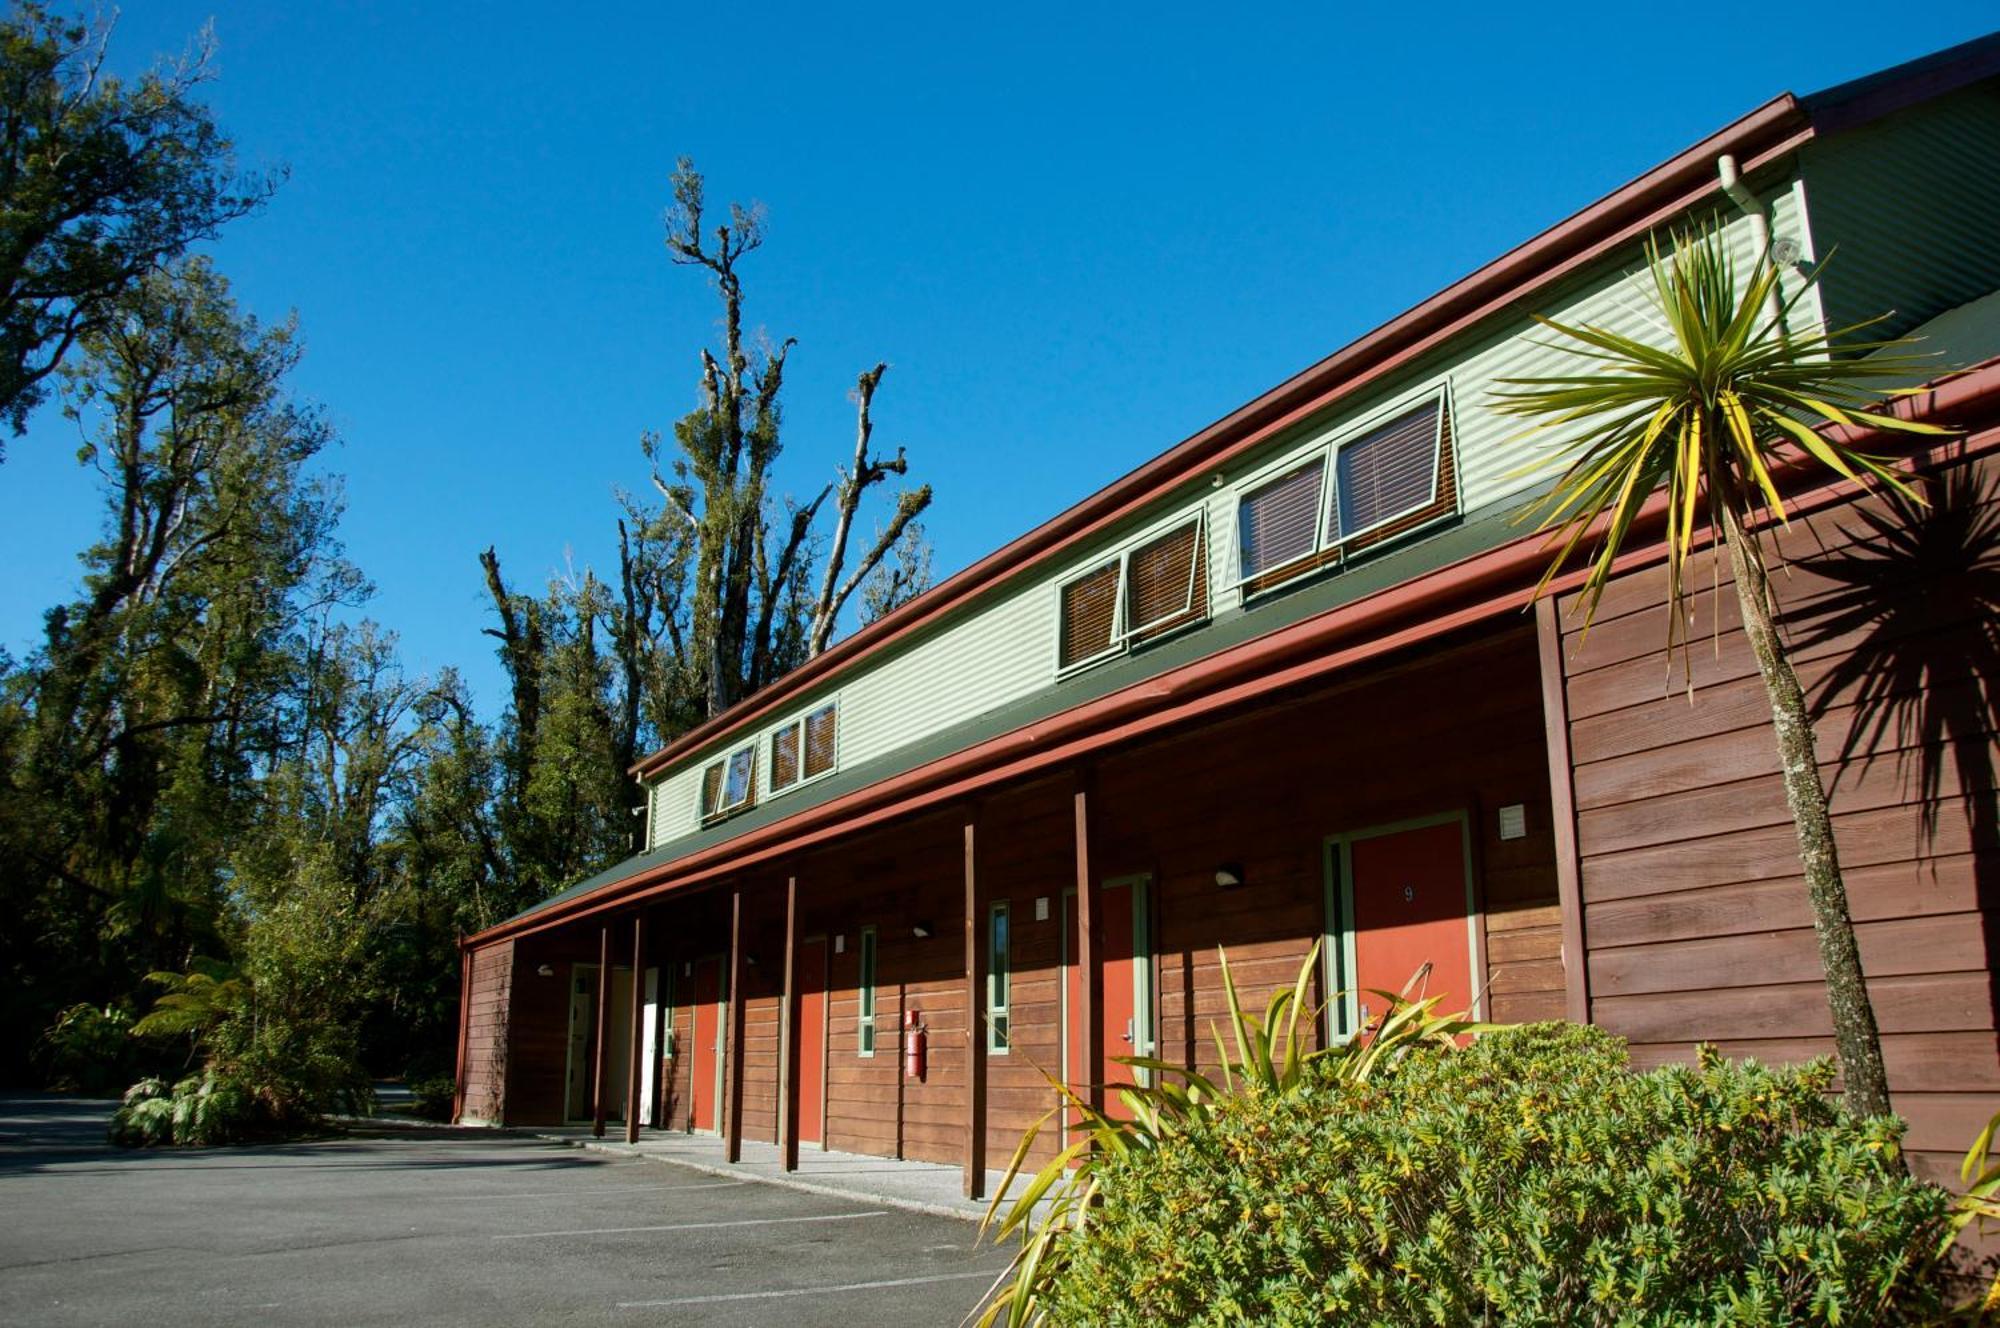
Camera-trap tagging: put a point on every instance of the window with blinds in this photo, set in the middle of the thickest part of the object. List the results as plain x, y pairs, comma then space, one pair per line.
784, 758
1089, 610
1364, 490
1276, 523
1156, 586
822, 728
806, 748
1166, 582
729, 785
1386, 474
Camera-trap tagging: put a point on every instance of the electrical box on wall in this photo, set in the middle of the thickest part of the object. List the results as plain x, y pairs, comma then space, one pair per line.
1042, 909
840, 945
1514, 821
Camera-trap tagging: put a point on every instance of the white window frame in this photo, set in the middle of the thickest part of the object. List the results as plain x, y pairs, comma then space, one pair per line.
1122, 633
798, 721
999, 1002
724, 809
867, 959
1327, 447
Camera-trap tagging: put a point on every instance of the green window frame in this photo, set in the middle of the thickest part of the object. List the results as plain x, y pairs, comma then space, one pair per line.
999, 977
865, 1021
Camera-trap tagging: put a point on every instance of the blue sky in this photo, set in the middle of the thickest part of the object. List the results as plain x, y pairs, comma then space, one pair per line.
1077, 235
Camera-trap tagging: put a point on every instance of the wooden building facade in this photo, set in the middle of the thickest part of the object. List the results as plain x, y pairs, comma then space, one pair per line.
1283, 685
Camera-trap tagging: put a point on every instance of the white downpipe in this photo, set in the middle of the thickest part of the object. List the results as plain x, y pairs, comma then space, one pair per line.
1760, 228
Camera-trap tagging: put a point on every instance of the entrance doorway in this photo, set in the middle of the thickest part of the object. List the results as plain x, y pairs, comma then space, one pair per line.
812, 1040
1126, 1014
711, 999
1400, 897
577, 1101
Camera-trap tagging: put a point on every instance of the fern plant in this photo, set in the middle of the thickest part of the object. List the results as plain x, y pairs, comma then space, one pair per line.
1266, 1056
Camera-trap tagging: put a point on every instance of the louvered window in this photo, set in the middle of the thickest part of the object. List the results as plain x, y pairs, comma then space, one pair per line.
1388, 480
729, 785
1089, 615
1146, 591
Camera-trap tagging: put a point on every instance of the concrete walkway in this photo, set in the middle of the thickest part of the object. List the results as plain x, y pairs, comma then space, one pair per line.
921, 1187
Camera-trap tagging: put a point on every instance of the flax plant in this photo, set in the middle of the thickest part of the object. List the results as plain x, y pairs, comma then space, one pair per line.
1263, 1057
1712, 418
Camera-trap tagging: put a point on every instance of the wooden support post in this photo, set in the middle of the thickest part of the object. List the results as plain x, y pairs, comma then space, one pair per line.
1562, 811
732, 1050
975, 1023
788, 1035
1091, 986
464, 1027
633, 1061
600, 1060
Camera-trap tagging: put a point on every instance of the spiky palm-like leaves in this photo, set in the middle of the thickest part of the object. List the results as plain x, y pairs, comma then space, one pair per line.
1708, 418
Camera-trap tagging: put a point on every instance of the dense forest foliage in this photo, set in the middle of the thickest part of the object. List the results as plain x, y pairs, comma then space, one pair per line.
239, 840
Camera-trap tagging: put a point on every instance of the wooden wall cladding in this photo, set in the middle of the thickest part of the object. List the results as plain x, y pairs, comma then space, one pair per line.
486, 1018
538, 1023
1695, 915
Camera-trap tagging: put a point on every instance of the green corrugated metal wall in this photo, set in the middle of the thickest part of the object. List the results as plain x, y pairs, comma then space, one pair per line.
1911, 207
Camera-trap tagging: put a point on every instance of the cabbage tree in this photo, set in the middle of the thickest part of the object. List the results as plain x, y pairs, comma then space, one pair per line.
1709, 416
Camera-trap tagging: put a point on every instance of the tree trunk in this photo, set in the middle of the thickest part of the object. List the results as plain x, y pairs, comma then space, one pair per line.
1855, 1036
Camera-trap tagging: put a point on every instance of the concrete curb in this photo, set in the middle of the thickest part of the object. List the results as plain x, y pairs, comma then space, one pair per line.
728, 1172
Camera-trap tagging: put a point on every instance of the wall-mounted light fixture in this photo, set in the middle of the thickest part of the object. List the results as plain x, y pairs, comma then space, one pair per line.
923, 931
546, 971
1228, 876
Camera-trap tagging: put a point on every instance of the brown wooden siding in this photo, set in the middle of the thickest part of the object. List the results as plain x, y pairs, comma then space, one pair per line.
1695, 915
1262, 790
486, 1043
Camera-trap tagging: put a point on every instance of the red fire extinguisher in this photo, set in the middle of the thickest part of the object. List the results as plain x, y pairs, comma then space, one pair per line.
916, 1045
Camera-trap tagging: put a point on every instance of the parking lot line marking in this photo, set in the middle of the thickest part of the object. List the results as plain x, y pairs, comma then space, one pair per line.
693, 1226
586, 1194
803, 1291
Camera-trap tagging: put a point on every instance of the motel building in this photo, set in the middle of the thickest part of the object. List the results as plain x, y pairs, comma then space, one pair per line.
1283, 683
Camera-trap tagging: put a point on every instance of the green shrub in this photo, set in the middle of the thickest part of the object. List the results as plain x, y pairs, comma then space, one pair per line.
1530, 1178
204, 1108
432, 1096
87, 1049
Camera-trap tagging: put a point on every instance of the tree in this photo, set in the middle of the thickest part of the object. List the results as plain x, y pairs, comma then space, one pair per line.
1709, 418
133, 740
900, 578
100, 183
749, 618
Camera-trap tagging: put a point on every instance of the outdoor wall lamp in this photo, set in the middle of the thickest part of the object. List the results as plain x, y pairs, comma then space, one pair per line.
546, 971
923, 931
1228, 876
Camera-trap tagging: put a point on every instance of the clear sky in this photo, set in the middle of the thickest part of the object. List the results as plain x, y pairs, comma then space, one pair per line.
1078, 235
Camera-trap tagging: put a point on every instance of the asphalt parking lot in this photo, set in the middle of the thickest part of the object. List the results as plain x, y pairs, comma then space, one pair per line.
443, 1228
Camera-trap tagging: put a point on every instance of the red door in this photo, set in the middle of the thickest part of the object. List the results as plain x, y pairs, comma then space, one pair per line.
1119, 1012
812, 1040
704, 1069
1124, 1017
1410, 908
